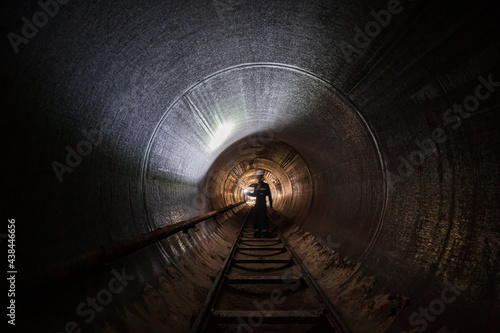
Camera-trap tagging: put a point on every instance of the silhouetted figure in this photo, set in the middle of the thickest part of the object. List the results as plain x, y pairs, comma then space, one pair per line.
260, 192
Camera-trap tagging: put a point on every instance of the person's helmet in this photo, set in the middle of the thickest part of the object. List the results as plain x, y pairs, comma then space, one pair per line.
259, 173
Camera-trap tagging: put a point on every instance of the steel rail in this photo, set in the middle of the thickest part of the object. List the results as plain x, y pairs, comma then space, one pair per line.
201, 322
327, 312
334, 318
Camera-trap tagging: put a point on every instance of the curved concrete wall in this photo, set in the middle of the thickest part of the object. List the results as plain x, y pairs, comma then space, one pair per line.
361, 133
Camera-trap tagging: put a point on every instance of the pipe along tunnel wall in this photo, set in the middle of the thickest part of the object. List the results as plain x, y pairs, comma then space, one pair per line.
125, 117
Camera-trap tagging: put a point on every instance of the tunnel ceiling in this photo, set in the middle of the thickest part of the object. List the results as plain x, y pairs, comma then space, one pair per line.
359, 132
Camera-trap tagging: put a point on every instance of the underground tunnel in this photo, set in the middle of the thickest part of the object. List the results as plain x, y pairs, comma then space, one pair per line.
375, 124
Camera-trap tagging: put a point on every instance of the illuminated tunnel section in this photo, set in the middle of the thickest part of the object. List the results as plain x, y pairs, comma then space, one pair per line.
285, 172
182, 101
297, 117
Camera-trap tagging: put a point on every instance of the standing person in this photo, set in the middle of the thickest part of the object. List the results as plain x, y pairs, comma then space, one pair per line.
260, 192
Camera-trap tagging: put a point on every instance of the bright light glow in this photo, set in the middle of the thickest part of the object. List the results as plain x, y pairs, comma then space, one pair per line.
250, 200
221, 135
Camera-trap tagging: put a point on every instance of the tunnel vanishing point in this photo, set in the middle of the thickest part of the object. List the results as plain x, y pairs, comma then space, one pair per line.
376, 124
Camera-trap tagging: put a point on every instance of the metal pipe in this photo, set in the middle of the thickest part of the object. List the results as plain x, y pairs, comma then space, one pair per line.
108, 253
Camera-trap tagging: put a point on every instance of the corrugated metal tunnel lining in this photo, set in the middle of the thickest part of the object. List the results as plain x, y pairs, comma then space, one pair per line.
183, 101
272, 132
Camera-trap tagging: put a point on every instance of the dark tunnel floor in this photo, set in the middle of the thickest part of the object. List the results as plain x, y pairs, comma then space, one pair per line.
173, 301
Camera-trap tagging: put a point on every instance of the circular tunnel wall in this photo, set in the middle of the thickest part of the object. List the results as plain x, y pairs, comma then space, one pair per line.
367, 139
338, 186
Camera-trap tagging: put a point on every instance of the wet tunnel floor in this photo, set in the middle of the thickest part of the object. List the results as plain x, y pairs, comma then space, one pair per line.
264, 287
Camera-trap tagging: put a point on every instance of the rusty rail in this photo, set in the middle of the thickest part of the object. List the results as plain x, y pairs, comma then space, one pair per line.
108, 253
213, 317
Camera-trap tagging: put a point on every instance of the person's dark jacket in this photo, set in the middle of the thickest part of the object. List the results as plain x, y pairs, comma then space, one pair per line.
261, 190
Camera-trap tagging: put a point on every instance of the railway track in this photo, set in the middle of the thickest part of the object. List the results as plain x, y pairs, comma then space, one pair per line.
264, 287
